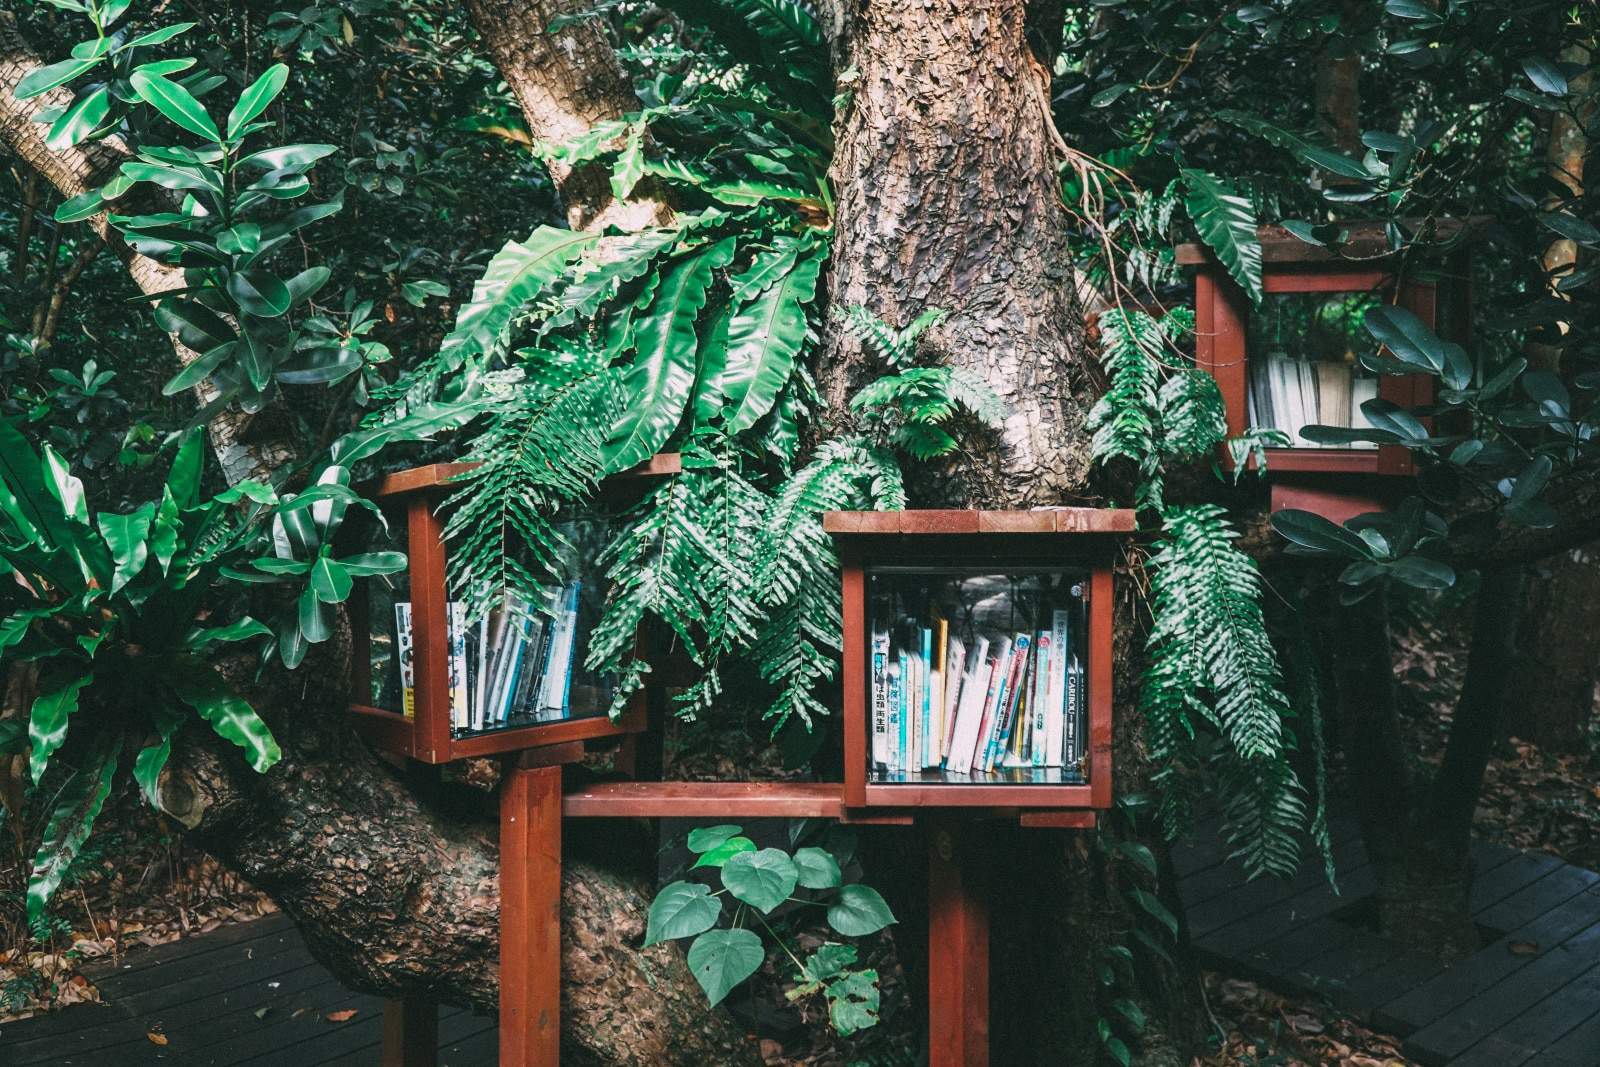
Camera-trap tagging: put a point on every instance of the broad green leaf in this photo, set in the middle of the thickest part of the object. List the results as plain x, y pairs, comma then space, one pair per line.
722, 853
629, 167
721, 959
155, 37
67, 489
1545, 75
176, 103
1406, 336
46, 78
260, 293
195, 373
47, 719
657, 385
83, 206
682, 909
1155, 909
152, 759
764, 337
80, 120
1312, 531
241, 630
818, 869
706, 838
365, 564
127, 536
77, 807
1419, 572
1226, 222
765, 269
316, 621
761, 879
1314, 154
232, 719
330, 581
283, 157
254, 100
516, 275
853, 1002
860, 910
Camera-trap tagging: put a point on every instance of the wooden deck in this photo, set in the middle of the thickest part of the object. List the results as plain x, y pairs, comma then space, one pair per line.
242, 994
1530, 996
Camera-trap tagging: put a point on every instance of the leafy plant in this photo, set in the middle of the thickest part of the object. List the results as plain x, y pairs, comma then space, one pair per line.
775, 884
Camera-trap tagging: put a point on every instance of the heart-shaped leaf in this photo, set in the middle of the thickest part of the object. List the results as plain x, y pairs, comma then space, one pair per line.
761, 879
682, 909
859, 911
706, 838
717, 856
721, 959
818, 868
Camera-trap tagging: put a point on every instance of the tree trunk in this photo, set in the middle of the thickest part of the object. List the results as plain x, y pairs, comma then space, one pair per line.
1418, 834
947, 194
567, 82
1557, 667
395, 883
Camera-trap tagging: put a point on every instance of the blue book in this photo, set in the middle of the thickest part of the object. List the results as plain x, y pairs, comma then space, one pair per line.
924, 720
1006, 705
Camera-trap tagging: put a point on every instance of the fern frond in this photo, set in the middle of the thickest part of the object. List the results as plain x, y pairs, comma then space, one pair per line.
1192, 414
1125, 420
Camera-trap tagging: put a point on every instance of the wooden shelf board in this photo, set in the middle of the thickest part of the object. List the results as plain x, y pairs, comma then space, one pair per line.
697, 800
439, 475
952, 521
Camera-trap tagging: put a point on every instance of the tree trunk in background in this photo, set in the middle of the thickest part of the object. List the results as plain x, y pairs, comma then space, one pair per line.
567, 82
948, 196
1557, 667
1338, 85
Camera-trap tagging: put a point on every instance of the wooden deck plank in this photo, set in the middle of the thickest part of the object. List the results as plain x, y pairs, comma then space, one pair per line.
1284, 915
465, 1040
1533, 900
1459, 1029
1507, 879
1576, 1049
1470, 977
1213, 881
1554, 1017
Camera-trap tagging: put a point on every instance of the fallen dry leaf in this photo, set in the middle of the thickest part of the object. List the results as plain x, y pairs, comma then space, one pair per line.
341, 1016
1524, 948
156, 1038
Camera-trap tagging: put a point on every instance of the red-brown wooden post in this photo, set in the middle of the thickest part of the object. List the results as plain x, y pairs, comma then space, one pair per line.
410, 1033
430, 652
958, 952
530, 918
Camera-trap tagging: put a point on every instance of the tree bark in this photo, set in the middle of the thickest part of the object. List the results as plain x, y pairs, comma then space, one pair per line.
1557, 665
567, 82
946, 179
947, 195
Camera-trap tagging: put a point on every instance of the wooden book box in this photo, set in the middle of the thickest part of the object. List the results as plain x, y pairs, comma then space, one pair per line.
924, 591
410, 501
1312, 312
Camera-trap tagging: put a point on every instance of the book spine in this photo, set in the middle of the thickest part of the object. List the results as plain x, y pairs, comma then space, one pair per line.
970, 712
880, 697
456, 632
569, 638
955, 676
1006, 712
1055, 727
1038, 736
924, 699
404, 657
896, 706
1074, 707
992, 702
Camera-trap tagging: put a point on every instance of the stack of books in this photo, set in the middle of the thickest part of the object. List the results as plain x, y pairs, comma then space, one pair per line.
513, 667
975, 702
1289, 394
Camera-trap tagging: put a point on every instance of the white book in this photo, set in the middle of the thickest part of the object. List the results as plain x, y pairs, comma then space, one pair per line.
456, 633
879, 669
896, 701
969, 713
1362, 390
912, 681
1055, 726
991, 699
404, 656
558, 669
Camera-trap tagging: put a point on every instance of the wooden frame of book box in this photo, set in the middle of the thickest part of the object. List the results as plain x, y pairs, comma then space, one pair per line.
1334, 482
412, 497
1006, 541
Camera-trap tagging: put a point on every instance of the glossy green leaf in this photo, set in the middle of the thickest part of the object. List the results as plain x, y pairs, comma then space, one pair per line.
80, 120
1312, 531
516, 275
239, 630
706, 838
818, 869
47, 719
284, 157
1406, 336
682, 909
161, 36
315, 619
63, 485
366, 564
761, 879
46, 78
76, 808
720, 854
721, 959
658, 383
83, 206
232, 719
127, 536
1226, 222
254, 100
200, 369
260, 293
860, 910
330, 581
629, 167
152, 759
176, 103
764, 338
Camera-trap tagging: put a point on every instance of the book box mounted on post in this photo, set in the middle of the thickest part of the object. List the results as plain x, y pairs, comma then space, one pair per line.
977, 657
431, 685
1295, 359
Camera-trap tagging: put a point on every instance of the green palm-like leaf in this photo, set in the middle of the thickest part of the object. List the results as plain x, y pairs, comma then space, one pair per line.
657, 385
1226, 222
764, 337
232, 719
77, 807
47, 719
